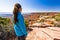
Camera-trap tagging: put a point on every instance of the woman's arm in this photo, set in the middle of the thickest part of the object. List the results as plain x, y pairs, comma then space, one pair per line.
21, 24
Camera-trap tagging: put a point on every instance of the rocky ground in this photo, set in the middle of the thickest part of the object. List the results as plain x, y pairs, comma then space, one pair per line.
49, 33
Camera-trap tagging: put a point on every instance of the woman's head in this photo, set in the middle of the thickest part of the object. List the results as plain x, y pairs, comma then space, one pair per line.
17, 8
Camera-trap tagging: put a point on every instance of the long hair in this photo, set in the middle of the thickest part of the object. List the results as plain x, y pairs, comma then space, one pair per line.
15, 11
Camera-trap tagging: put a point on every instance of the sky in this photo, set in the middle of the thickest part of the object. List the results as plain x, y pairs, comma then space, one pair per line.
31, 5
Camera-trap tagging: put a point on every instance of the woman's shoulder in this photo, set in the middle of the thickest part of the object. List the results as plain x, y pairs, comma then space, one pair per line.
19, 16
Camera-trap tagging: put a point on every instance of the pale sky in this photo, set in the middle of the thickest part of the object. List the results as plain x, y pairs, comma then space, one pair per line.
31, 5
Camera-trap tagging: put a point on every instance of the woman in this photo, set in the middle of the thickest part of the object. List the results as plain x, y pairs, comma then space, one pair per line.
19, 25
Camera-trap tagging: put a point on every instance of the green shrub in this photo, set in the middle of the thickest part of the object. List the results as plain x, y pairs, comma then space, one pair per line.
53, 16
26, 23
57, 18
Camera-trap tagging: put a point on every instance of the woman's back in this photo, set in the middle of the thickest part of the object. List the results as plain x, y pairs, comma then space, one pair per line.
19, 26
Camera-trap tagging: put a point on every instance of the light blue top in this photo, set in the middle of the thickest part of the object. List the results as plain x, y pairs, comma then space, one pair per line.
19, 26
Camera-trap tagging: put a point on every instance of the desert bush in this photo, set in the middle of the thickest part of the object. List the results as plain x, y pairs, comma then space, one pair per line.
57, 18
26, 23
5, 22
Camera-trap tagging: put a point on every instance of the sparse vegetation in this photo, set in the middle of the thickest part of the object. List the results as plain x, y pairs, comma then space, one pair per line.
6, 25
57, 17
